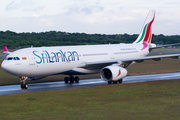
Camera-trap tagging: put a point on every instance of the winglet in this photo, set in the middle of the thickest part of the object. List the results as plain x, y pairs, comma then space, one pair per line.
6, 51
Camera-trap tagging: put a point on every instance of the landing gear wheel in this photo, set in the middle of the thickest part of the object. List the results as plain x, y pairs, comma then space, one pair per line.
109, 82
71, 79
76, 79
66, 79
120, 81
24, 86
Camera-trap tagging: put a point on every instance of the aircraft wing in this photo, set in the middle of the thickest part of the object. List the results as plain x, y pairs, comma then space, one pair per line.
127, 61
156, 58
97, 64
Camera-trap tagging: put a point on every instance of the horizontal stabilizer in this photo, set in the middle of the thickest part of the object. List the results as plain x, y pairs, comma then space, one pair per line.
151, 48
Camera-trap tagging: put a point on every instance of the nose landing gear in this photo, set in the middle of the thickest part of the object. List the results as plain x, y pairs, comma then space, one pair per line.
23, 79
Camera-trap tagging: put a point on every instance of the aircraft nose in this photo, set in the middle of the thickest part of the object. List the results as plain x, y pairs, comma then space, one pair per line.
7, 66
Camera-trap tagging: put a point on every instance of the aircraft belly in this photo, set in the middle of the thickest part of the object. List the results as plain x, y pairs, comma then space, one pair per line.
47, 69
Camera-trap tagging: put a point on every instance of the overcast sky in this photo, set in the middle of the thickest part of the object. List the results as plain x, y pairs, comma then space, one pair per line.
89, 16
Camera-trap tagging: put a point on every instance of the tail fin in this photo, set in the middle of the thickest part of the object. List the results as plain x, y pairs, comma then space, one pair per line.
6, 51
146, 33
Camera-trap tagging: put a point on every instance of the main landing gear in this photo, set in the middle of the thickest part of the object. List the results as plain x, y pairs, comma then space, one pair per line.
71, 79
23, 79
115, 82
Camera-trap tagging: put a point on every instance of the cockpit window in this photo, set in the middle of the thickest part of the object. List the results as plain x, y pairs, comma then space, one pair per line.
17, 58
12, 58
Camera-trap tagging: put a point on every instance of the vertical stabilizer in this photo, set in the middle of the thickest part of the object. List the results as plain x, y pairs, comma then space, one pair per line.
6, 51
146, 32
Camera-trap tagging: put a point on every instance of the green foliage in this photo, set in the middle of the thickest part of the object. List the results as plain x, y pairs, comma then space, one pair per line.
53, 38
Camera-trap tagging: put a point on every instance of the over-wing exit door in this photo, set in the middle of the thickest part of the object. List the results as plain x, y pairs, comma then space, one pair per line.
111, 53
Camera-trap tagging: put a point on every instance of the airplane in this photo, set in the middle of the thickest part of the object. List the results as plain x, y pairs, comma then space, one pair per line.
110, 60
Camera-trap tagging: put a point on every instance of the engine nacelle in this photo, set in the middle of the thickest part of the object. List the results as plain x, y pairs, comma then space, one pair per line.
113, 73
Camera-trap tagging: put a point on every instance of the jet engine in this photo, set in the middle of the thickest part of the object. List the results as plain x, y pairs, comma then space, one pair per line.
113, 73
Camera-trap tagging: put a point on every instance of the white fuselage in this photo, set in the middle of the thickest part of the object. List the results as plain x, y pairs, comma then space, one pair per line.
46, 61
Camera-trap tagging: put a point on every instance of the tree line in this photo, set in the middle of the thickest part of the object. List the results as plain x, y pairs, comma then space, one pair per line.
54, 38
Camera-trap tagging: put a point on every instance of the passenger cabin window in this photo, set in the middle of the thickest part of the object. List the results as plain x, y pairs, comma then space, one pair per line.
12, 58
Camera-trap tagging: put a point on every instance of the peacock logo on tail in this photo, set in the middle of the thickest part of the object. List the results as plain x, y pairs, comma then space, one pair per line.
146, 33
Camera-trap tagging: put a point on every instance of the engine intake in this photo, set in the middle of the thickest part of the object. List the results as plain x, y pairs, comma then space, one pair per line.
113, 73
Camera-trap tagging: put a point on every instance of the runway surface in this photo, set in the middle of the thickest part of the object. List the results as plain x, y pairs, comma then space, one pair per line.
3, 56
12, 89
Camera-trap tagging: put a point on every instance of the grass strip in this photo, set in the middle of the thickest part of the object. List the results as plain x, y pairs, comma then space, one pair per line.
148, 100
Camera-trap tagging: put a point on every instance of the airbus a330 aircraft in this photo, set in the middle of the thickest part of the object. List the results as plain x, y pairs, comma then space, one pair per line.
109, 60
